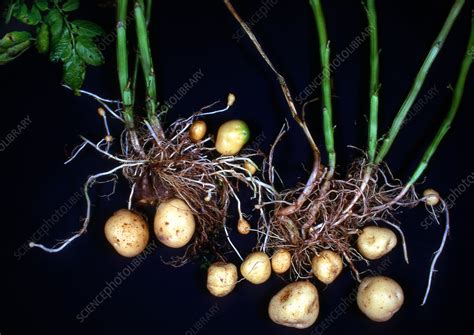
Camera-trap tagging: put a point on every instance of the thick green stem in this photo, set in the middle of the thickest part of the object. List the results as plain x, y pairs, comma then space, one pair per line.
136, 63
122, 63
374, 80
419, 80
147, 64
456, 100
326, 84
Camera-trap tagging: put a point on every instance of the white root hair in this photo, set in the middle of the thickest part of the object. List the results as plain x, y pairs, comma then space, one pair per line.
437, 252
400, 231
89, 183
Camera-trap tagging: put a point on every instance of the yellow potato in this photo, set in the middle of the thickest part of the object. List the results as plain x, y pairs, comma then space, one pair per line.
197, 131
326, 266
375, 242
281, 261
379, 297
127, 232
221, 278
230, 99
174, 223
432, 197
231, 137
256, 268
250, 167
296, 305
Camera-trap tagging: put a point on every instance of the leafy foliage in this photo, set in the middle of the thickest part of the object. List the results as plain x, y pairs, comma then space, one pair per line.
72, 43
13, 45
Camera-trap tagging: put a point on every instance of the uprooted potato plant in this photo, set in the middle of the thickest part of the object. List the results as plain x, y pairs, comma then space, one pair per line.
351, 216
188, 174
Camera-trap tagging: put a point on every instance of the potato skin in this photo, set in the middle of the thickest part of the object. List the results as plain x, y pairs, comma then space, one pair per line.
375, 242
296, 305
256, 268
281, 261
127, 232
379, 297
231, 137
174, 223
221, 278
326, 266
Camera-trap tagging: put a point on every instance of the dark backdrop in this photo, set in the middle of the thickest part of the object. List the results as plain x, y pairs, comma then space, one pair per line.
43, 293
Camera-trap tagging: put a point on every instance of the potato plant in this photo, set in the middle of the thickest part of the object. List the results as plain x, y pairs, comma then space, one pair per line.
335, 218
188, 175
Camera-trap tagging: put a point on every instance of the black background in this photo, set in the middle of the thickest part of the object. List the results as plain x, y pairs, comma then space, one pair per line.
43, 293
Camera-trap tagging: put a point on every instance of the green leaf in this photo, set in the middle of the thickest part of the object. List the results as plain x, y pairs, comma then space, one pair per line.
61, 50
53, 16
42, 39
67, 52
42, 5
20, 12
18, 49
31, 17
11, 10
74, 71
88, 51
7, 55
55, 21
87, 28
14, 38
34, 16
70, 5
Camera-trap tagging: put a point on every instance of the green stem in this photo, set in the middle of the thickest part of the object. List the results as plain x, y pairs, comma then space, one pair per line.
456, 100
326, 84
374, 80
419, 80
136, 64
148, 8
137, 55
147, 64
122, 63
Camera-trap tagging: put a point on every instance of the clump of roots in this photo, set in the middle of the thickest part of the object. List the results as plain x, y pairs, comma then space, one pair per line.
333, 213
177, 167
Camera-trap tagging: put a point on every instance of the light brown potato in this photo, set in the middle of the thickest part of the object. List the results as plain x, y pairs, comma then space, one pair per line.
127, 232
375, 242
327, 266
256, 268
379, 297
296, 305
243, 226
221, 278
197, 131
281, 261
174, 223
432, 197
231, 137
